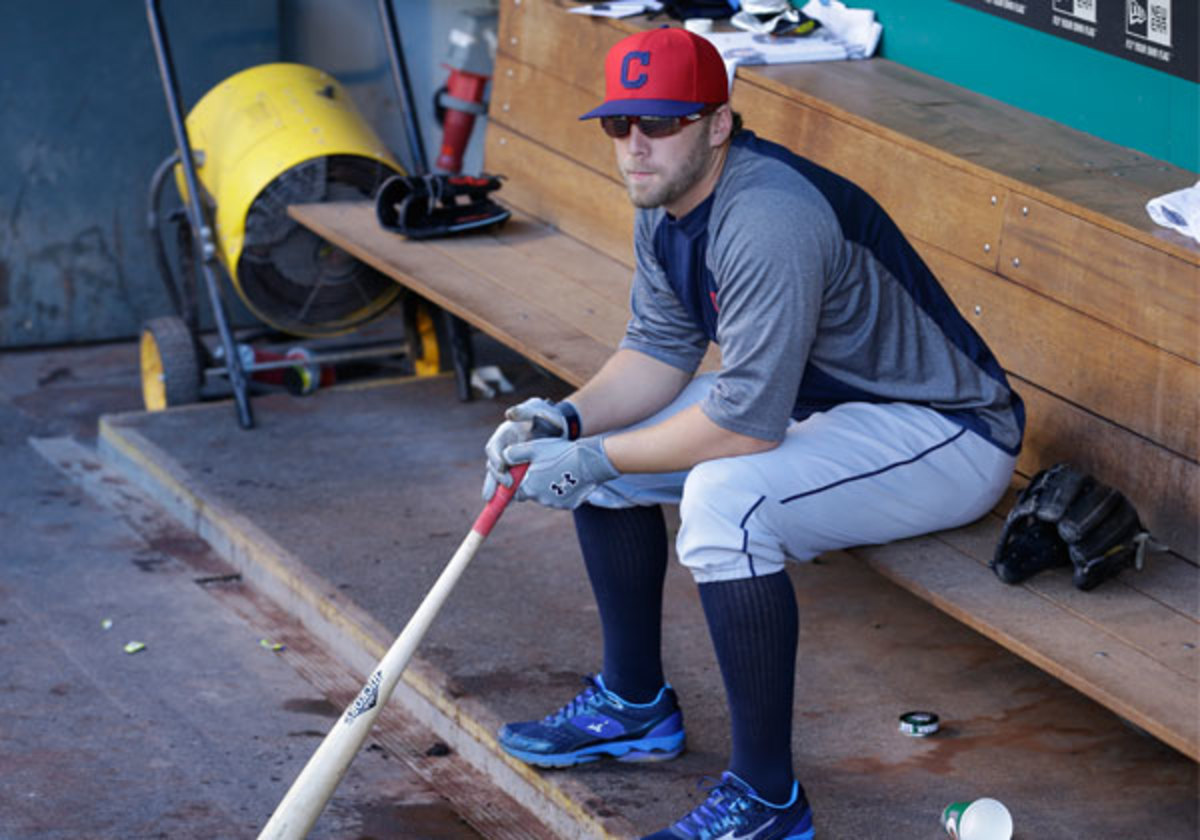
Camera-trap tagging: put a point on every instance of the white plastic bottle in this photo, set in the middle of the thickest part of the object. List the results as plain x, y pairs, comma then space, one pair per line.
983, 819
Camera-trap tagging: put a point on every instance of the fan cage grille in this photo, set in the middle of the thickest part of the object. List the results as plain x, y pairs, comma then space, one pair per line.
293, 279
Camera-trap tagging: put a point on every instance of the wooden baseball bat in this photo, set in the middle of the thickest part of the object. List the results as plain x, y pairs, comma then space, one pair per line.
313, 788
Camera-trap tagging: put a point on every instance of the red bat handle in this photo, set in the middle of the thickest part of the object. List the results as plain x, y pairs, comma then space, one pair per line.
500, 499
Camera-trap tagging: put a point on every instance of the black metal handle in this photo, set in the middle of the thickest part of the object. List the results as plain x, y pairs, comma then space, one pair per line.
201, 230
412, 127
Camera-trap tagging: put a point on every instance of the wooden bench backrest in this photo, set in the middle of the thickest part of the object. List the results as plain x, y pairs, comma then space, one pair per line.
1037, 232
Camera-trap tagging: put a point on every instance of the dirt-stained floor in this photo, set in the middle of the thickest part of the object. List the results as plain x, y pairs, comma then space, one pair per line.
199, 733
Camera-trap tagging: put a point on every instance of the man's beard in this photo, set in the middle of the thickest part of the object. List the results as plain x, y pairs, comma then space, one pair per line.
666, 192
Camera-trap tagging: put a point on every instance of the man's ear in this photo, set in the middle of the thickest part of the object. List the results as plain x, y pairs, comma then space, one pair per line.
720, 126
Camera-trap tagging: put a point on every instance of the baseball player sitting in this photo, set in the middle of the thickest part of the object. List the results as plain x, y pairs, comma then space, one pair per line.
854, 405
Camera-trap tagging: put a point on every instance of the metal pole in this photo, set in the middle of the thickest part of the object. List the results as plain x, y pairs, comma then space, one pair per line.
391, 37
201, 231
460, 338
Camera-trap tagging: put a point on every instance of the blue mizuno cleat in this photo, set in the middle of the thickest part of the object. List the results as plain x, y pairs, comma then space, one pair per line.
733, 809
598, 723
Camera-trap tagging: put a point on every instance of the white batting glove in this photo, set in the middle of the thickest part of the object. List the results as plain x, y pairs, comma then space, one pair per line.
534, 418
562, 473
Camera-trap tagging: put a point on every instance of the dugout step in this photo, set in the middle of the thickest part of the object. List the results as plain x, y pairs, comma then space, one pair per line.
345, 505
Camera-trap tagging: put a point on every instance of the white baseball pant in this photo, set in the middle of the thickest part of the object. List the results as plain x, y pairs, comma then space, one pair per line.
858, 474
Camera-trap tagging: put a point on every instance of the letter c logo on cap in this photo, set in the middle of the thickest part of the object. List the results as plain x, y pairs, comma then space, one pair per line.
642, 58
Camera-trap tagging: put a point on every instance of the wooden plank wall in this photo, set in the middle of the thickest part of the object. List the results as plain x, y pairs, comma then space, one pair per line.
1095, 315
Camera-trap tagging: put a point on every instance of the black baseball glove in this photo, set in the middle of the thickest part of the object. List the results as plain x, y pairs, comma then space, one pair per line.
1066, 517
425, 206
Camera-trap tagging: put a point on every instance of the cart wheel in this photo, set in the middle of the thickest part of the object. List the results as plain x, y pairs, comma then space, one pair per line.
170, 364
428, 361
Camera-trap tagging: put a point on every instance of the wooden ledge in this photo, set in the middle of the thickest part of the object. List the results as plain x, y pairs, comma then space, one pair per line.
1079, 173
547, 295
497, 282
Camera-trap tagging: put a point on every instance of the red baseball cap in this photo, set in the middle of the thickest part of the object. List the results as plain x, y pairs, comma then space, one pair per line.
664, 72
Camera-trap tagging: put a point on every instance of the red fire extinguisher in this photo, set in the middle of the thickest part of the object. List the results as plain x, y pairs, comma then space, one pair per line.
461, 99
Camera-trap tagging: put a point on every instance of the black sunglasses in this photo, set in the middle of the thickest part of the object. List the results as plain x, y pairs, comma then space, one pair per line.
653, 127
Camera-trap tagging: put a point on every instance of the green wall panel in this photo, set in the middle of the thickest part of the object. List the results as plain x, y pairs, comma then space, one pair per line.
1125, 103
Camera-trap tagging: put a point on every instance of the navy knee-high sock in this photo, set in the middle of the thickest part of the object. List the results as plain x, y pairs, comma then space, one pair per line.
754, 623
625, 551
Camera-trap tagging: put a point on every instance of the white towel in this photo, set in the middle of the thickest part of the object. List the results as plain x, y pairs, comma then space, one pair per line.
856, 28
751, 48
844, 33
1179, 210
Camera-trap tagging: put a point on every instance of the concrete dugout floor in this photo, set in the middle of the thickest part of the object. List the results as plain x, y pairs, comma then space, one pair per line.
346, 504
199, 734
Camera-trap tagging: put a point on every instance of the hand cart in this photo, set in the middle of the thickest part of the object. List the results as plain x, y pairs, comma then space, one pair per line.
270, 136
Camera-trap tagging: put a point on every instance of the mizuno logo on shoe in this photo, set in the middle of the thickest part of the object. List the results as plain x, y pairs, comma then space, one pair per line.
599, 726
758, 832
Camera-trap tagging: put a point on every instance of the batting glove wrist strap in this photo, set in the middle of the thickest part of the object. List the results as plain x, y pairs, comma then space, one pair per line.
571, 417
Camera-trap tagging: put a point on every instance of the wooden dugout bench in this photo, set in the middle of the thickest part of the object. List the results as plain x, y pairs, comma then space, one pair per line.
1037, 231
